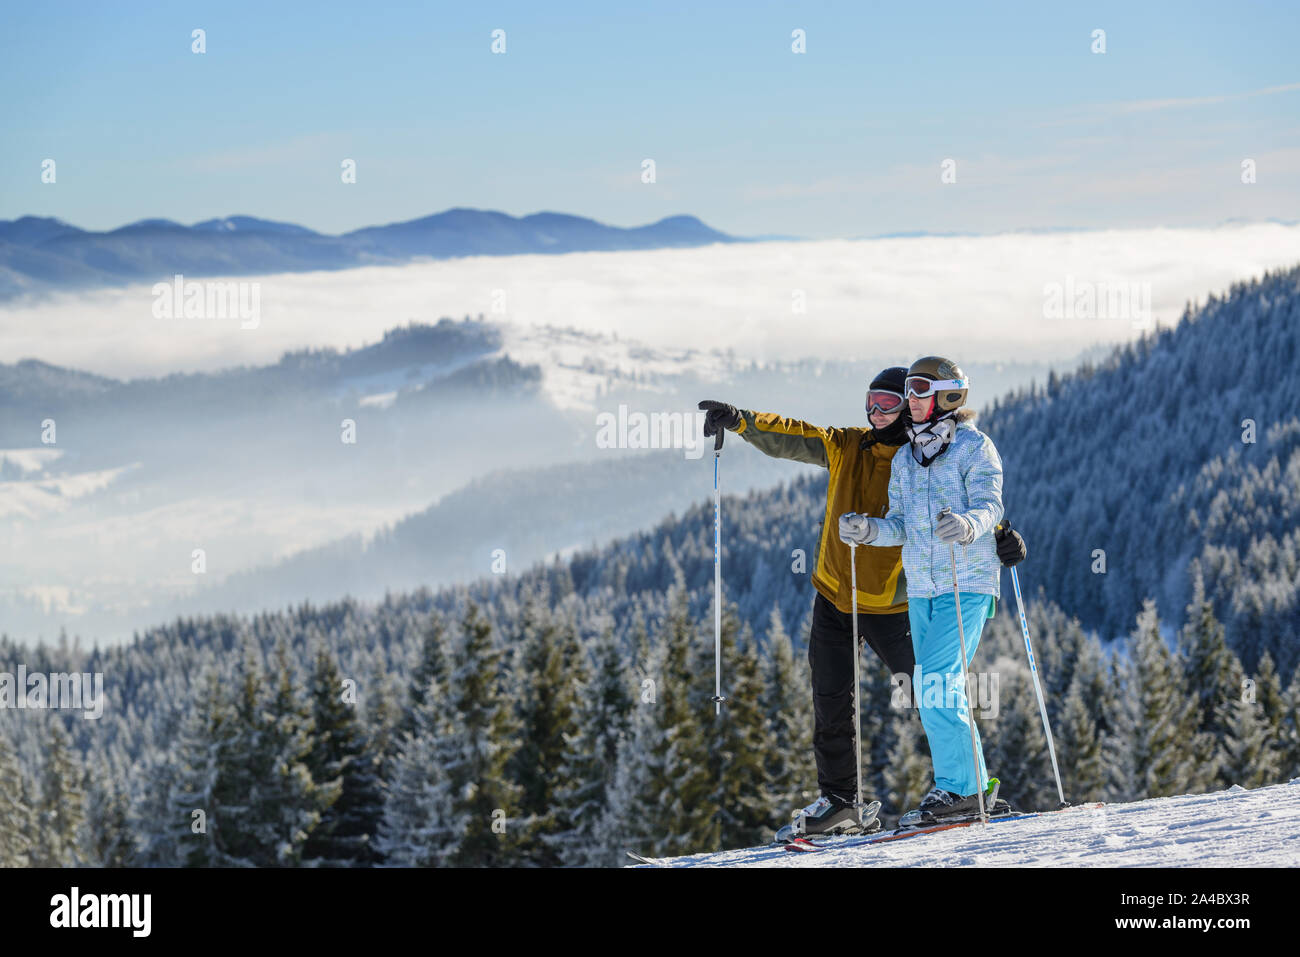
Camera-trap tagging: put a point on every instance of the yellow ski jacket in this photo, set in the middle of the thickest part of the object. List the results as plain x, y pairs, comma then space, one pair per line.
859, 482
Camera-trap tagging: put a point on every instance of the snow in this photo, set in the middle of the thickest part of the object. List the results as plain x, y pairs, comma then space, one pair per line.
1232, 828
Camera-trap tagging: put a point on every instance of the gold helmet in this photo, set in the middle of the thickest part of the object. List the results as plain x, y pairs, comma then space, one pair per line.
940, 377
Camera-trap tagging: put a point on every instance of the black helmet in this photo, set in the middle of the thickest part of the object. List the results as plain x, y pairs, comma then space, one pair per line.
894, 379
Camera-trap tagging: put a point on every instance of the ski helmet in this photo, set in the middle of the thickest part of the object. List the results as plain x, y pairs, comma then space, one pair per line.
944, 380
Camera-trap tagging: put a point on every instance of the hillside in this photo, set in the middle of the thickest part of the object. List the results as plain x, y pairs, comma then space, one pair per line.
1179, 453
551, 667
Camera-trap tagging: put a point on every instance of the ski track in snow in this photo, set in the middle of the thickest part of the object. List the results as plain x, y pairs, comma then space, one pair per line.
1233, 828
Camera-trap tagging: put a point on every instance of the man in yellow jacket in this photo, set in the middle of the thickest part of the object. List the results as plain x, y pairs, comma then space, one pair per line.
858, 459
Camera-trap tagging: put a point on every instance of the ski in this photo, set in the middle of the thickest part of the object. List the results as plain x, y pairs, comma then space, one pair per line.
901, 833
823, 841
652, 861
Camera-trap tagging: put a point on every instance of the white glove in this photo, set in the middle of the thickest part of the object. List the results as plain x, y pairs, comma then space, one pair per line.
857, 529
953, 529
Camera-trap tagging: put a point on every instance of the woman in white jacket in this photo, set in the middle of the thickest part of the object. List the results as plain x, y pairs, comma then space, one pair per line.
945, 489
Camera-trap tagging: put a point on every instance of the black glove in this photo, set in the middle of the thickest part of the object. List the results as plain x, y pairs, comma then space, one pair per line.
1011, 547
720, 416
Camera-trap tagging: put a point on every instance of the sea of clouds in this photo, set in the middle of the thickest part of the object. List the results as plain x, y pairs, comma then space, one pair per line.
975, 297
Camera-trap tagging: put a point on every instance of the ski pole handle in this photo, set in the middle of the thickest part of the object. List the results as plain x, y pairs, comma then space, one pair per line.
717, 440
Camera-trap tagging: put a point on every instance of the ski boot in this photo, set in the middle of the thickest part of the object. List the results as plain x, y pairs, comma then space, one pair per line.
831, 814
942, 807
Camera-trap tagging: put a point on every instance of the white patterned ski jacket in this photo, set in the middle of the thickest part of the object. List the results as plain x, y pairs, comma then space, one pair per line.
967, 478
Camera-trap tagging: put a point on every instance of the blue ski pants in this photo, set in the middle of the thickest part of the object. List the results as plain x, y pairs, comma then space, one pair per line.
939, 685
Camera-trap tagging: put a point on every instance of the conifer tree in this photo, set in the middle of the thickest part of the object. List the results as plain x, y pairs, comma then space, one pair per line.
1268, 692
735, 740
288, 803
1015, 748
341, 753
1250, 759
547, 680
476, 748
590, 756
417, 828
17, 818
1208, 661
661, 779
790, 769
1289, 731
204, 807
1120, 718
431, 666
1169, 752
60, 812
1079, 748
1213, 679
108, 838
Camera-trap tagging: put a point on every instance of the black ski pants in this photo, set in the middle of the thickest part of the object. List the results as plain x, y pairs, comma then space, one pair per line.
829, 659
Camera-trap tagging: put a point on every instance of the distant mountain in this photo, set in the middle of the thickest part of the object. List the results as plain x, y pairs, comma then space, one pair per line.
251, 224
39, 254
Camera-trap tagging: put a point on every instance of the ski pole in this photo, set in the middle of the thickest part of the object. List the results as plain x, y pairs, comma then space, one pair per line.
717, 579
857, 674
1038, 688
970, 712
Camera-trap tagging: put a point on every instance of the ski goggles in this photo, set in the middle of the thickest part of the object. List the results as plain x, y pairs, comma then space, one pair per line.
923, 388
883, 400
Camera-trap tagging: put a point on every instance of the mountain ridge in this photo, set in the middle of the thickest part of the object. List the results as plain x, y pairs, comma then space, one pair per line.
41, 254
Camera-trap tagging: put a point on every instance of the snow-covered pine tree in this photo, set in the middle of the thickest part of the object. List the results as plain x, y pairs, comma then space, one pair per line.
151, 810
632, 818
1077, 737
1212, 673
476, 748
289, 803
60, 811
586, 771
418, 828
1250, 758
17, 818
546, 687
1171, 756
341, 752
787, 695
659, 801
431, 666
1268, 692
1118, 726
1015, 748
383, 704
736, 740
206, 760
683, 788
108, 839
1289, 735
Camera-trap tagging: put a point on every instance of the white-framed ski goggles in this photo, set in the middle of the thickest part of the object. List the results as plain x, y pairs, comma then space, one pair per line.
923, 388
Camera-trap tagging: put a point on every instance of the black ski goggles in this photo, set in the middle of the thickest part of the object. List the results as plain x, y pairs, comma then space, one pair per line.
883, 400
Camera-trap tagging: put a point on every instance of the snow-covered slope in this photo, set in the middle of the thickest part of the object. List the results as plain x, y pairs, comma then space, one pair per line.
1233, 828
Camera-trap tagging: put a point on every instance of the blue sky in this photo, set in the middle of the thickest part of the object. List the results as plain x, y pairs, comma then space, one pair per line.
844, 140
